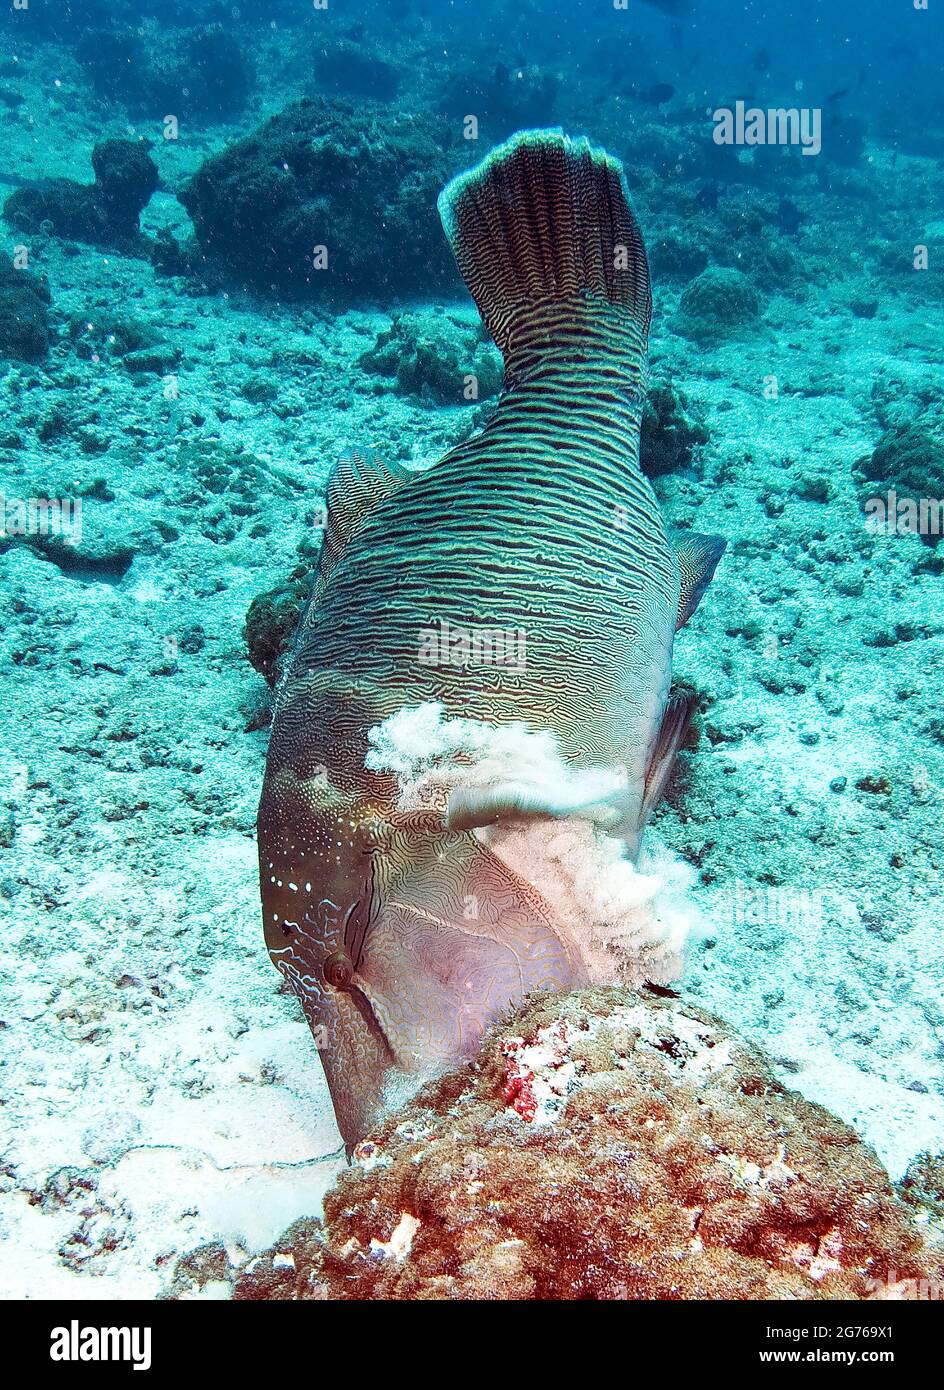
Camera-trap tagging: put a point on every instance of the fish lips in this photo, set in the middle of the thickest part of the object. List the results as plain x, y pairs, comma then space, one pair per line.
406, 976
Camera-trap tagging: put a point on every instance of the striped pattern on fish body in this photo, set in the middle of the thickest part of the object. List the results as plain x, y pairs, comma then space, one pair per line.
564, 541
403, 934
544, 521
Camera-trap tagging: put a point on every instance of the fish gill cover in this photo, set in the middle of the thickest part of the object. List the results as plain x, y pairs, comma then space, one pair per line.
510, 439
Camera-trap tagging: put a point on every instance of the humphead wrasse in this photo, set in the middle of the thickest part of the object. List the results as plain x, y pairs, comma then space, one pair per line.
476, 720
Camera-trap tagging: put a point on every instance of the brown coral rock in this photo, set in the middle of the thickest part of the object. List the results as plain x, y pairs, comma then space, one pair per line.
607, 1145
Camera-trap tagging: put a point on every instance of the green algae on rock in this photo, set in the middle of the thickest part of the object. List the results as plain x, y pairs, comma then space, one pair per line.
102, 212
24, 314
327, 196
719, 303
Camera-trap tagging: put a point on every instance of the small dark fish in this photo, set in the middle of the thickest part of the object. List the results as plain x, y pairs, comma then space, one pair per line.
662, 991
789, 220
761, 61
707, 197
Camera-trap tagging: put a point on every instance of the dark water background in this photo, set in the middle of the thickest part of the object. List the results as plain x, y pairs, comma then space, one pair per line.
883, 57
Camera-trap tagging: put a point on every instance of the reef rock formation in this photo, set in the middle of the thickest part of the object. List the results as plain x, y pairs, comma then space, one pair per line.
668, 436
24, 317
271, 621
504, 99
199, 73
102, 212
606, 1144
325, 195
923, 1188
349, 67
431, 355
719, 303
908, 462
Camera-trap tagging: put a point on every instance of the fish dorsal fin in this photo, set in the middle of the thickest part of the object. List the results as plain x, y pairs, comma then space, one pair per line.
356, 485
675, 721
698, 558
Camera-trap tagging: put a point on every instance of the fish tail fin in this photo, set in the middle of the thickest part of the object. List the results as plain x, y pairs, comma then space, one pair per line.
545, 239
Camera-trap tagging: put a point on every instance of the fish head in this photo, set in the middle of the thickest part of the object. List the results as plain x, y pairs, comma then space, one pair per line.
403, 940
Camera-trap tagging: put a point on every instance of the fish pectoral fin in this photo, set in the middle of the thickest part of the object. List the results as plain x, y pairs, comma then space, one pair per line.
698, 558
585, 794
356, 485
675, 721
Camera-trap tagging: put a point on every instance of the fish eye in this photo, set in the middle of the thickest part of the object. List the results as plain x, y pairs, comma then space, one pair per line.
338, 970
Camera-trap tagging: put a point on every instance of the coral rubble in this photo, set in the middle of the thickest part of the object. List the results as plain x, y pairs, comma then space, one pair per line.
605, 1145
